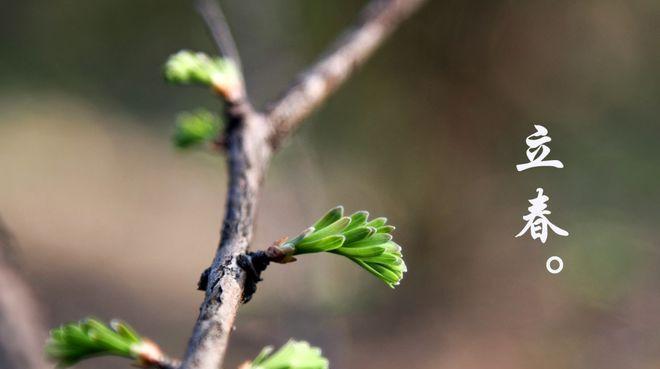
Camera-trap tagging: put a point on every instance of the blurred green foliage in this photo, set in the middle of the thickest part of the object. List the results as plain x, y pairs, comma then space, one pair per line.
196, 127
293, 355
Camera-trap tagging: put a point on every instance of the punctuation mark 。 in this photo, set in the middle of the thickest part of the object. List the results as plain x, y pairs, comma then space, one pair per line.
560, 265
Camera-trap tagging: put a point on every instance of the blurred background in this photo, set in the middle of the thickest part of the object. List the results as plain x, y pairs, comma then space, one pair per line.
112, 221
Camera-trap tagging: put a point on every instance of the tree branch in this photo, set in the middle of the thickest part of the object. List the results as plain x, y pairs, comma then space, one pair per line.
248, 156
378, 20
251, 139
21, 332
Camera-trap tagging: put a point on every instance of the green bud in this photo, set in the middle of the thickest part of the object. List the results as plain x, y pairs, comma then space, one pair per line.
187, 67
193, 128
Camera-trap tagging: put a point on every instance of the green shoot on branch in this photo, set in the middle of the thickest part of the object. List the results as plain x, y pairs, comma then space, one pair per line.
366, 242
196, 127
73, 342
293, 355
187, 67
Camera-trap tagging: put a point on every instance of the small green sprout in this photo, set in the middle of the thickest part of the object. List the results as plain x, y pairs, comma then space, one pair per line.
196, 127
187, 67
293, 355
73, 342
366, 242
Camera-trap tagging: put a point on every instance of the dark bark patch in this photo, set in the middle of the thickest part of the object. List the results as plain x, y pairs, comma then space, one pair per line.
253, 263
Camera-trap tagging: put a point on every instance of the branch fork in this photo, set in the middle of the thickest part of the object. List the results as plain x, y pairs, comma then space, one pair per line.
250, 141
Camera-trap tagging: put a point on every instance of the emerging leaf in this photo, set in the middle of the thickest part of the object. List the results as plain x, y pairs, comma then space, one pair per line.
324, 244
367, 243
293, 355
73, 342
330, 217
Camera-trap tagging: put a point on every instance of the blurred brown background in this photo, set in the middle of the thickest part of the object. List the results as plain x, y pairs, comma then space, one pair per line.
114, 222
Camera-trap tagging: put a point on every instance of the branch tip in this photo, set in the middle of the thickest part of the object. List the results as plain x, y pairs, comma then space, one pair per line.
217, 25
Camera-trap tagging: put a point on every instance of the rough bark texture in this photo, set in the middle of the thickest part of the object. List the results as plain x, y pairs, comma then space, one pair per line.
247, 156
21, 333
250, 141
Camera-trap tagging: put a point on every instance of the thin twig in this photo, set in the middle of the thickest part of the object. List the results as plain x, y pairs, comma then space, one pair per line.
251, 139
378, 20
217, 25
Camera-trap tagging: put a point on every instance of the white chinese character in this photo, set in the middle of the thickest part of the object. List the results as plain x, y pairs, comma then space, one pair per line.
537, 222
537, 150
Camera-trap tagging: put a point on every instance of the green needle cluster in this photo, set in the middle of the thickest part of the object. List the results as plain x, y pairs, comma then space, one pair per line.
193, 128
73, 342
366, 242
293, 355
187, 67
